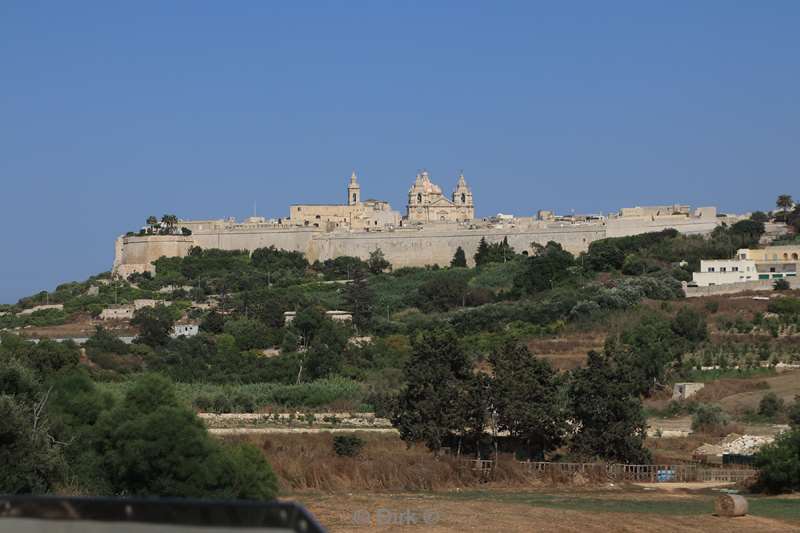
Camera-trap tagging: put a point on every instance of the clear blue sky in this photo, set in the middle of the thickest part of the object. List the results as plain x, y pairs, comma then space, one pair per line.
112, 111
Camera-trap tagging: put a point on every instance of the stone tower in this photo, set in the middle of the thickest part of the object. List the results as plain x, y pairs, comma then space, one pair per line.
353, 190
462, 199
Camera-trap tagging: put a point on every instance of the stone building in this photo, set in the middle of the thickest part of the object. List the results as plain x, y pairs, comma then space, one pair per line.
427, 203
355, 214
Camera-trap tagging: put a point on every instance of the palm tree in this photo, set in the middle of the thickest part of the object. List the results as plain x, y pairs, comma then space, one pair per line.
169, 222
785, 202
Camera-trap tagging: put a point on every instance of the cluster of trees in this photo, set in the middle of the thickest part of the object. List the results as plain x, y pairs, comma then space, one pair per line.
596, 410
59, 432
647, 252
168, 225
445, 403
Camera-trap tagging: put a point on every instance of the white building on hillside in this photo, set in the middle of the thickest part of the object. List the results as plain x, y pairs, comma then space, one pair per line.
184, 330
723, 271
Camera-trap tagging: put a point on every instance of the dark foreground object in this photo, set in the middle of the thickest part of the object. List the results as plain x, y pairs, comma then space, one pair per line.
34, 514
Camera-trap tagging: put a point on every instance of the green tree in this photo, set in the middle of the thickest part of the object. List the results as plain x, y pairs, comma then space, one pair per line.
482, 254
779, 463
213, 322
459, 258
446, 290
690, 325
360, 300
29, 461
274, 260
75, 406
747, 233
326, 351
153, 446
249, 334
759, 216
643, 351
152, 221
525, 394
607, 413
168, 223
784, 202
781, 285
770, 405
154, 324
377, 263
435, 375
793, 412
546, 269
709, 418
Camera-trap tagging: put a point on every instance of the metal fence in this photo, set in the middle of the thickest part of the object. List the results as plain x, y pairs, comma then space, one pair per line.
664, 473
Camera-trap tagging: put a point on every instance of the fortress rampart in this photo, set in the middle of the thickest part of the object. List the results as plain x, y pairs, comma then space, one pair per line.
434, 244
433, 228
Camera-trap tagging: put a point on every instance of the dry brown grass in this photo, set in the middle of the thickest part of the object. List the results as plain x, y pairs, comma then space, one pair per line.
493, 512
721, 388
307, 462
568, 350
676, 449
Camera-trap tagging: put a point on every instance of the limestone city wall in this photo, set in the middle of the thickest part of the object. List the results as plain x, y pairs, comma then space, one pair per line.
430, 245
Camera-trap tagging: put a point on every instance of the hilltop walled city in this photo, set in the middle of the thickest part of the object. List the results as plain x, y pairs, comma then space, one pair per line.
433, 227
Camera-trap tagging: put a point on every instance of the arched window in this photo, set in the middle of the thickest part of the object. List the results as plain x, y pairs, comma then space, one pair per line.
785, 257
419, 198
354, 197
794, 256
463, 198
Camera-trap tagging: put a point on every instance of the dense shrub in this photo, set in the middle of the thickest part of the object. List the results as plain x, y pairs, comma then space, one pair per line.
779, 463
770, 405
709, 418
784, 306
347, 445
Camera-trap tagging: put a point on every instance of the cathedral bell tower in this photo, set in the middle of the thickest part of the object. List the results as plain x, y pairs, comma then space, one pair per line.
462, 199
353, 190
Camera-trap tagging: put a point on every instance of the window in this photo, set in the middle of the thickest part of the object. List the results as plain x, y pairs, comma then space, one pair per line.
723, 269
354, 197
711, 269
734, 269
419, 198
463, 198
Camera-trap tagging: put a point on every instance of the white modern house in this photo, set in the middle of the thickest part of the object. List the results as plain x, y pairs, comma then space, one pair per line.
723, 271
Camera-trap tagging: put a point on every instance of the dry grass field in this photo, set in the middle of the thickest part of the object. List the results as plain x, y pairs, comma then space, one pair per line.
628, 509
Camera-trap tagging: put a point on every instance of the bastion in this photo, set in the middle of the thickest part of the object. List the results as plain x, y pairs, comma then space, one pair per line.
433, 228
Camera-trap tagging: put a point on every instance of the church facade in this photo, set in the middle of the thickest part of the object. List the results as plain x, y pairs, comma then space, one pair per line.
427, 203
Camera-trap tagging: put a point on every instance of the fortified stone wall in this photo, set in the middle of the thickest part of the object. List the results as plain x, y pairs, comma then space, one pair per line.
292, 239
437, 246
624, 226
402, 247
